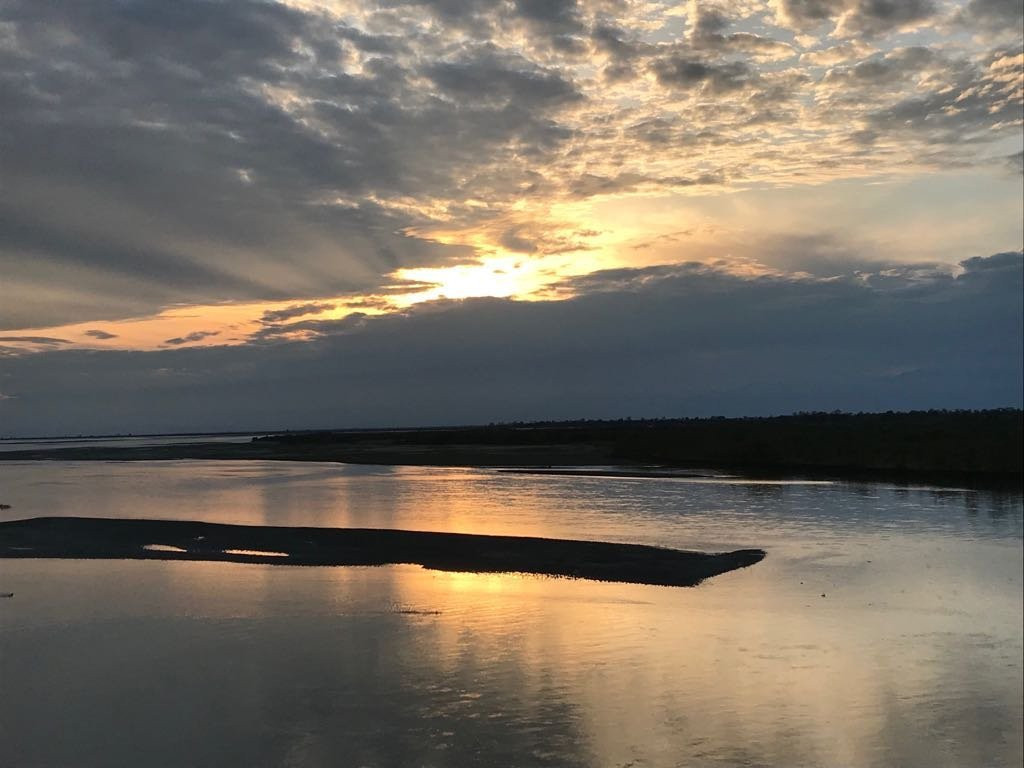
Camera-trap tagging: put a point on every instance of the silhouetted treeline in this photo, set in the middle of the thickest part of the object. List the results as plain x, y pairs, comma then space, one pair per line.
936, 441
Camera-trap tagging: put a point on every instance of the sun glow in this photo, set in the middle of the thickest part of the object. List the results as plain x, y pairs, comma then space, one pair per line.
526, 257
500, 276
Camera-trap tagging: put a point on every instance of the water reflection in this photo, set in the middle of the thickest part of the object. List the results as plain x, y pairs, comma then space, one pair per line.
884, 628
656, 510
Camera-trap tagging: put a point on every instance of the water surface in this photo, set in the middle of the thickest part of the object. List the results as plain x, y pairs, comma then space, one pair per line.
884, 627
140, 441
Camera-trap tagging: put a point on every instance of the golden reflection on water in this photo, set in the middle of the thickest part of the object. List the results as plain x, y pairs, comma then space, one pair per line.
734, 670
857, 642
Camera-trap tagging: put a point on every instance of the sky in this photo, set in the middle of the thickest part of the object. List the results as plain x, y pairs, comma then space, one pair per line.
262, 215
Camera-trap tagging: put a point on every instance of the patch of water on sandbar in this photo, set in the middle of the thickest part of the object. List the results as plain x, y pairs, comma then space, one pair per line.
256, 552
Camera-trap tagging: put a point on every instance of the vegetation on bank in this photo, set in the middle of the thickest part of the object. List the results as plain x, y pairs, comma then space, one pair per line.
987, 442
979, 447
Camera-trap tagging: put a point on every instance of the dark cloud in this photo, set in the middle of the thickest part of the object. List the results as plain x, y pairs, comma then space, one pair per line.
893, 68
515, 240
874, 17
756, 46
621, 50
296, 310
683, 72
189, 338
1001, 264
615, 41
706, 33
554, 16
220, 151
993, 16
96, 333
974, 99
666, 340
48, 341
309, 328
590, 185
855, 17
807, 14
708, 21
490, 77
370, 303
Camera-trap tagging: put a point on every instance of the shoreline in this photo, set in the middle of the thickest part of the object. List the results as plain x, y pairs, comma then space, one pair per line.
554, 460
982, 449
109, 538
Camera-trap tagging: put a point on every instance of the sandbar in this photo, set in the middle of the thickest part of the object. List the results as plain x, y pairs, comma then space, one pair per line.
106, 538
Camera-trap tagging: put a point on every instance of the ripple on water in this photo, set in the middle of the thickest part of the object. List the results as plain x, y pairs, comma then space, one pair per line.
912, 658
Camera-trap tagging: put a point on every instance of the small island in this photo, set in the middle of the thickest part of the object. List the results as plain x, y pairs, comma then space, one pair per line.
104, 538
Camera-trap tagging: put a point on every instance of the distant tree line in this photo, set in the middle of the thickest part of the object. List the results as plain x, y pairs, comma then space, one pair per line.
935, 441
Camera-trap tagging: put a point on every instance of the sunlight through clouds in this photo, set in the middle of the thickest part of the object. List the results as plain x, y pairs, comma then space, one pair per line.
208, 178
305, 150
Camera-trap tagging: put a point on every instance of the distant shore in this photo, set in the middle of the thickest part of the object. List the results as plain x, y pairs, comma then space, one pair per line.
942, 447
102, 538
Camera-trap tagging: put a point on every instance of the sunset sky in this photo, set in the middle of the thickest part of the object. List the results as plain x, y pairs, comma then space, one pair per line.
255, 215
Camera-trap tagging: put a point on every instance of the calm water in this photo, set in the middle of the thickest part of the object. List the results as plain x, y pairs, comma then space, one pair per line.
48, 443
884, 628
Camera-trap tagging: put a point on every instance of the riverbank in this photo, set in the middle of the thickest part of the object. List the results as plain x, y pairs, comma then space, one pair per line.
977, 448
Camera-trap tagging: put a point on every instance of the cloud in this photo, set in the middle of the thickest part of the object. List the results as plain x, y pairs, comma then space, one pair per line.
515, 240
975, 97
554, 16
191, 337
48, 341
806, 14
308, 329
591, 185
490, 77
892, 68
665, 340
992, 16
1002, 264
851, 50
263, 171
680, 71
708, 23
296, 310
854, 17
96, 333
200, 153
874, 17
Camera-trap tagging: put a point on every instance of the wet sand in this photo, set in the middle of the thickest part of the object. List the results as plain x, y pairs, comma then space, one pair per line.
103, 538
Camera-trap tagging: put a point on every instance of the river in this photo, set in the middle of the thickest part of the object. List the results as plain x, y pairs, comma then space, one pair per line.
883, 628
